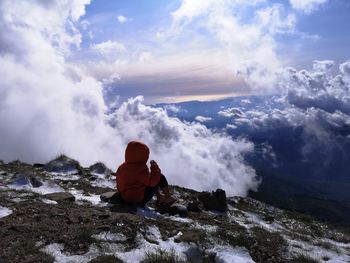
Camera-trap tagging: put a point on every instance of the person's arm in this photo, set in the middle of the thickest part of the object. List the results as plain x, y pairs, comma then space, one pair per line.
151, 178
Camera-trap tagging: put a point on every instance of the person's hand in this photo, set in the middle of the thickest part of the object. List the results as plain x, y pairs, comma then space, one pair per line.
154, 167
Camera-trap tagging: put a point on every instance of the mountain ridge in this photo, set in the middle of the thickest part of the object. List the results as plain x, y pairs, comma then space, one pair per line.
36, 228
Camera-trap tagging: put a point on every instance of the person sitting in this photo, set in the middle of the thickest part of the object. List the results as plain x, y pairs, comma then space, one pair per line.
136, 183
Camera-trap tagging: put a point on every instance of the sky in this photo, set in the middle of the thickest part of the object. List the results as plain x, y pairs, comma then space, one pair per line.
170, 51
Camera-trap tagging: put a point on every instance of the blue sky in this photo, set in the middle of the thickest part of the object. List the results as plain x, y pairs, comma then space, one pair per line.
186, 49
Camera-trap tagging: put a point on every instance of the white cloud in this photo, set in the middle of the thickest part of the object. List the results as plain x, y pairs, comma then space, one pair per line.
232, 113
122, 19
50, 106
251, 45
231, 126
202, 119
172, 108
108, 47
145, 57
306, 6
316, 100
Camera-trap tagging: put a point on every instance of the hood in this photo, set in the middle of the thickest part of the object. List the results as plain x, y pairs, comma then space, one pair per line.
136, 152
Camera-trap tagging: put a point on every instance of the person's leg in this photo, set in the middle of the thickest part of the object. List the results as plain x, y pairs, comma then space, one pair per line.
149, 193
166, 195
163, 182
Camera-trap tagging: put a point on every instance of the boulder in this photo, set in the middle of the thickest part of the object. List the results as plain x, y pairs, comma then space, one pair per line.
215, 201
174, 209
26, 179
100, 168
35, 181
62, 164
60, 196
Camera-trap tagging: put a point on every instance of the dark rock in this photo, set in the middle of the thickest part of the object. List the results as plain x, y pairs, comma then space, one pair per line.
194, 206
26, 179
62, 164
20, 180
174, 209
104, 228
92, 178
104, 216
99, 168
35, 181
105, 197
269, 219
38, 165
214, 201
112, 198
60, 196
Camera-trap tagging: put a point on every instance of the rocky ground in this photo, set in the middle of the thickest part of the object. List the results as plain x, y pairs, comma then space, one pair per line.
53, 213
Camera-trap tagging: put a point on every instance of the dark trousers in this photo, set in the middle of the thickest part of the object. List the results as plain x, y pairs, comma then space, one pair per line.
150, 191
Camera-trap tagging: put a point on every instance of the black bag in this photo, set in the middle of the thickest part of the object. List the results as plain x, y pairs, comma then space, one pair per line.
214, 201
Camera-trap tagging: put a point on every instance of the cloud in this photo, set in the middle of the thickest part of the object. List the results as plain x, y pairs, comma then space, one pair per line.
49, 106
172, 108
307, 6
232, 112
202, 119
122, 19
315, 106
251, 44
108, 47
319, 88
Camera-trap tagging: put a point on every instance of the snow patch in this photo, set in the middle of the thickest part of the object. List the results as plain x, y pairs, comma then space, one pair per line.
103, 182
148, 212
55, 250
91, 198
341, 254
136, 255
68, 176
226, 254
48, 201
4, 211
17, 200
207, 228
111, 237
179, 219
46, 188
257, 220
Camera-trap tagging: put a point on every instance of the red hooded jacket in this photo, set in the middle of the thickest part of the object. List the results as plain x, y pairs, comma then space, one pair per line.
133, 175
